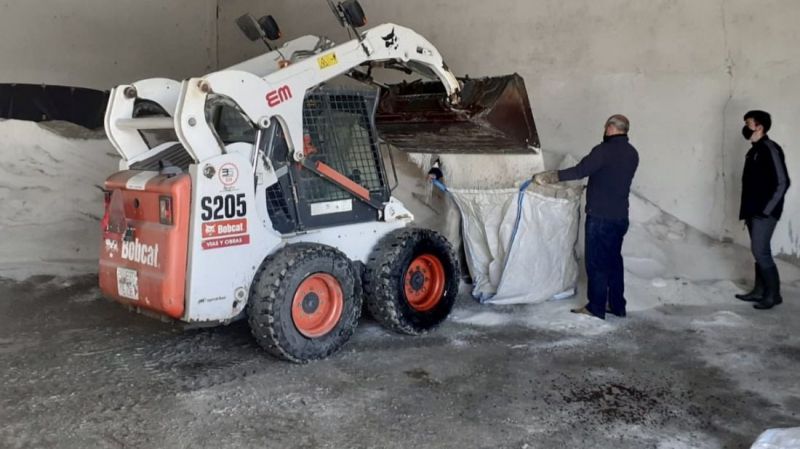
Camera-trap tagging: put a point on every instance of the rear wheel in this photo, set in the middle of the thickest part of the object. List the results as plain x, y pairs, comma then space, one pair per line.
411, 280
305, 302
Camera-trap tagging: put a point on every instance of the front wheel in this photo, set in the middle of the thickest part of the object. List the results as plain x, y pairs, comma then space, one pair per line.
411, 280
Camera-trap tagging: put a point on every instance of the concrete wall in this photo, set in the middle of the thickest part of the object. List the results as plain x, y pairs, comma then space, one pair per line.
684, 71
100, 43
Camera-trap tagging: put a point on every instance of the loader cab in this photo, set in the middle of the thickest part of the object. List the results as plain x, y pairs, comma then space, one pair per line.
339, 132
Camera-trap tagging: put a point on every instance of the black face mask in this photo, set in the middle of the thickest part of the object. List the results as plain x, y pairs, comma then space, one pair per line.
747, 133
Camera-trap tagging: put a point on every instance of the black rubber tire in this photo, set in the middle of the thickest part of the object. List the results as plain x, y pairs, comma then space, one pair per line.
269, 308
384, 277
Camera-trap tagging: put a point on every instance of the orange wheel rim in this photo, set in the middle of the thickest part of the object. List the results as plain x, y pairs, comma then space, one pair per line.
317, 305
423, 282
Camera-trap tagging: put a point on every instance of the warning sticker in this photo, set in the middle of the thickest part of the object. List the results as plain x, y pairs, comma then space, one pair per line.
223, 228
226, 242
328, 60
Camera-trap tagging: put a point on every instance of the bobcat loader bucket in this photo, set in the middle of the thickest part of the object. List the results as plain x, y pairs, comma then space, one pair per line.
493, 116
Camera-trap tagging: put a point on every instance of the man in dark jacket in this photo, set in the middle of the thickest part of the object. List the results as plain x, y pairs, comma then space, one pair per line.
764, 184
610, 167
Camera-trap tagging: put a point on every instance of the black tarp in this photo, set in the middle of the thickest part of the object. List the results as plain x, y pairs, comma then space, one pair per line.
39, 102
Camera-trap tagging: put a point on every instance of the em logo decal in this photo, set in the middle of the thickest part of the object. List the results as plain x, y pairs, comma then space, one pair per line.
278, 96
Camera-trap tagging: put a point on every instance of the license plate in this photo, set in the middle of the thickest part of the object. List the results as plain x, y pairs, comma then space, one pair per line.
128, 283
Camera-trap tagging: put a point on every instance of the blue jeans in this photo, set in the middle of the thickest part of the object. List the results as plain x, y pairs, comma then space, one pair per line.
604, 265
761, 230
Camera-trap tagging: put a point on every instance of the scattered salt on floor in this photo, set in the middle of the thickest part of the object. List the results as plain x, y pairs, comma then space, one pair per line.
552, 315
778, 439
675, 236
459, 343
722, 318
666, 439
658, 283
482, 318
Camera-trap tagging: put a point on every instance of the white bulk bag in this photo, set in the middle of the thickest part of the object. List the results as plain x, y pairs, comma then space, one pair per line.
520, 243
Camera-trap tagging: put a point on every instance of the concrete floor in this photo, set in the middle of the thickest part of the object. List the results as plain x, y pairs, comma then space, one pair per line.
77, 372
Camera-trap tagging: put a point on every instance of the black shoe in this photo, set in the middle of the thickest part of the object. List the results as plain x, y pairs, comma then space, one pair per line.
757, 292
772, 289
619, 314
765, 305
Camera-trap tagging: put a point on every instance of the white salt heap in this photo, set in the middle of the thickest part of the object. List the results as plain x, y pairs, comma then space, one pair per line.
49, 178
50, 174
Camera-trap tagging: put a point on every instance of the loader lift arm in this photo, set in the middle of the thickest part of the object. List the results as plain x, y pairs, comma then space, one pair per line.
280, 94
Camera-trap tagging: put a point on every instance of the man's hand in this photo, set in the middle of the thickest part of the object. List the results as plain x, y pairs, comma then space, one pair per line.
545, 177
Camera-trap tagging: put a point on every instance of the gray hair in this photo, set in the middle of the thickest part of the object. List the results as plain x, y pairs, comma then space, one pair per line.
620, 122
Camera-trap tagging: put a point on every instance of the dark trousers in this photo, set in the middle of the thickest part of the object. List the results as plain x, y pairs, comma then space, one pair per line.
761, 230
604, 265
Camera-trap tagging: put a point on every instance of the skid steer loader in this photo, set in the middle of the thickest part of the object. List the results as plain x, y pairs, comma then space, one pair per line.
259, 192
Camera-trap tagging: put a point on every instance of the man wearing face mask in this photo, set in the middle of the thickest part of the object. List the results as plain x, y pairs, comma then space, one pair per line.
764, 184
610, 167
